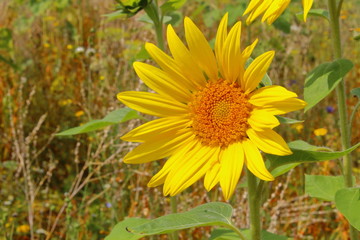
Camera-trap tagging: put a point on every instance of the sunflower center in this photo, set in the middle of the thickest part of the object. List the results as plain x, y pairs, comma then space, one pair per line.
219, 114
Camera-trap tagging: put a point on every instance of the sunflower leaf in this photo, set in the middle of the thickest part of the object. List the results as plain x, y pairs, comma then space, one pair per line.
323, 79
323, 187
114, 117
316, 13
227, 234
286, 120
303, 153
347, 200
209, 214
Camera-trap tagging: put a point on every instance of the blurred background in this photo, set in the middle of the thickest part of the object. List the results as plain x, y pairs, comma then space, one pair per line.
62, 62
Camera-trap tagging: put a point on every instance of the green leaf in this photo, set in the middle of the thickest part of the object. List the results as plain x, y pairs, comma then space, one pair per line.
323, 187
114, 117
11, 165
316, 13
300, 145
356, 92
119, 232
286, 120
300, 155
323, 79
209, 214
347, 200
283, 169
227, 234
5, 38
172, 5
282, 24
175, 18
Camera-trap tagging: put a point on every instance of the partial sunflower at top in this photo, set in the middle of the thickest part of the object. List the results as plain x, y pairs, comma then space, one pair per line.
213, 119
271, 9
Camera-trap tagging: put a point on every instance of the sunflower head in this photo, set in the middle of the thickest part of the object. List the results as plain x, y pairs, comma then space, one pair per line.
271, 9
213, 118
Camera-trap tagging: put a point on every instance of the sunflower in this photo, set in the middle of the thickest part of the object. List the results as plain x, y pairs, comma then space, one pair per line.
272, 9
212, 117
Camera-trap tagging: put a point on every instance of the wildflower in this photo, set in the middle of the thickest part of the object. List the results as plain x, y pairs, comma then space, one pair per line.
320, 132
330, 109
80, 50
298, 126
79, 113
271, 9
65, 102
23, 228
213, 119
69, 47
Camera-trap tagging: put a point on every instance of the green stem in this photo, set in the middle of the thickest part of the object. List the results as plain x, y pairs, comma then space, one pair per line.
154, 13
334, 11
173, 204
254, 205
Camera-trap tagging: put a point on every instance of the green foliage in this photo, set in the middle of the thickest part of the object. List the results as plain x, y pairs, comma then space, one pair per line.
171, 6
226, 234
323, 187
323, 79
287, 120
302, 154
209, 214
347, 200
128, 8
356, 92
282, 24
316, 13
114, 117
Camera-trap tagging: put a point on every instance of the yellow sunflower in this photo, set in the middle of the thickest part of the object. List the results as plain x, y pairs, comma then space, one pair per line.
212, 117
272, 9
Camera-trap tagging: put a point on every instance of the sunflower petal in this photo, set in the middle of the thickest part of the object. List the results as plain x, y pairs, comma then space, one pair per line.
152, 104
262, 119
159, 81
275, 10
162, 145
194, 165
276, 100
255, 162
200, 49
212, 176
169, 65
231, 54
150, 129
245, 56
267, 94
160, 177
183, 58
221, 36
232, 162
269, 141
307, 4
256, 71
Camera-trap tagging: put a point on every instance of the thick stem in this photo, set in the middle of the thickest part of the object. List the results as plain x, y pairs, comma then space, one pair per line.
254, 206
340, 90
334, 11
173, 204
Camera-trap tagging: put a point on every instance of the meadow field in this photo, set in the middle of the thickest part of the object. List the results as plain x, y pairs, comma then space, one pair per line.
62, 64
